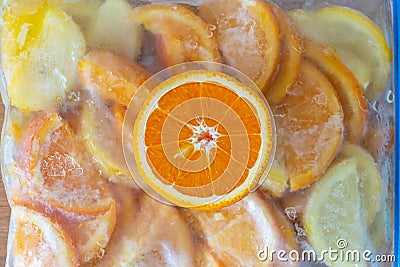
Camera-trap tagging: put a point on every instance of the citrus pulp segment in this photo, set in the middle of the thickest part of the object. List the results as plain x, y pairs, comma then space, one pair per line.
36, 55
39, 241
365, 51
310, 126
347, 87
333, 212
201, 136
247, 33
181, 35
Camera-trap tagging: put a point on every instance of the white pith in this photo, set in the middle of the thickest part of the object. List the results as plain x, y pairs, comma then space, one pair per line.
198, 141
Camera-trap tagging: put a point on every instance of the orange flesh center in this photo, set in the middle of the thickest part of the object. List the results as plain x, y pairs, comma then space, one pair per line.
204, 137
204, 141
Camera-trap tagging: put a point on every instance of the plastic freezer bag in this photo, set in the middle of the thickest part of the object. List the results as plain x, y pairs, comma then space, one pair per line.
199, 133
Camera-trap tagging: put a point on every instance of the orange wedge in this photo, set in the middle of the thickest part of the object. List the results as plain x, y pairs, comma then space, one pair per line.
182, 36
310, 126
58, 169
347, 87
203, 137
289, 63
237, 234
111, 76
38, 241
248, 36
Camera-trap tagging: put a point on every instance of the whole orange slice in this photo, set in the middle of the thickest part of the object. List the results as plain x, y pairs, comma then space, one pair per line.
202, 139
349, 91
181, 35
310, 126
58, 170
248, 36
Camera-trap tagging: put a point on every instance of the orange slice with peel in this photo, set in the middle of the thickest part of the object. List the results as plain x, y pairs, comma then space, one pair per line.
310, 125
111, 76
148, 233
248, 36
39, 241
347, 87
182, 36
289, 64
202, 139
238, 234
58, 169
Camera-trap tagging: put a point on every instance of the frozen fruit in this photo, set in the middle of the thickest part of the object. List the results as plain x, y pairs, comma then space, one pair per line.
348, 89
363, 48
239, 232
150, 234
289, 61
114, 31
111, 76
57, 170
332, 217
40, 51
310, 126
182, 36
247, 33
39, 241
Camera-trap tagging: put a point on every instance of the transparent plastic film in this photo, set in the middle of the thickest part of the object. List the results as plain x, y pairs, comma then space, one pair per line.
200, 133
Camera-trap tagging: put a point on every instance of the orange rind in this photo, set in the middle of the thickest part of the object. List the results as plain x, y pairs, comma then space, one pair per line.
247, 34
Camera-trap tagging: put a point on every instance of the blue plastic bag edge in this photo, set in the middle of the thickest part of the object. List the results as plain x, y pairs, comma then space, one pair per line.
396, 58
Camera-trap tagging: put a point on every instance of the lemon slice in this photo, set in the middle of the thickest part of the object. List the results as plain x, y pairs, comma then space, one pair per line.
112, 30
357, 40
369, 185
40, 52
332, 217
